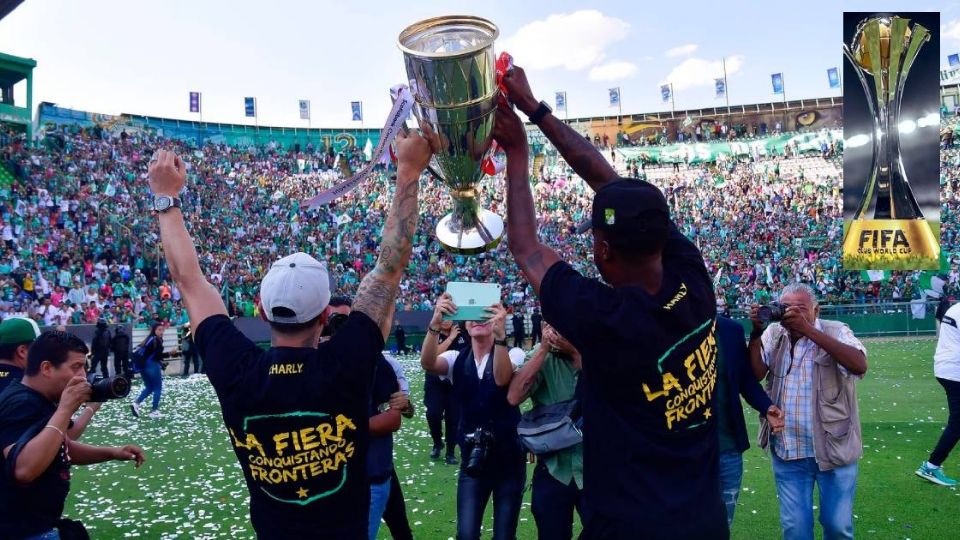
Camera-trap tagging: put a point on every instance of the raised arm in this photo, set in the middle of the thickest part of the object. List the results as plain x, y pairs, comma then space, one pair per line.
757, 365
430, 359
523, 380
167, 176
533, 257
378, 289
582, 157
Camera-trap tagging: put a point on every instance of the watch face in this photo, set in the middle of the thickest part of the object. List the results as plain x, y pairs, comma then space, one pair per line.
161, 203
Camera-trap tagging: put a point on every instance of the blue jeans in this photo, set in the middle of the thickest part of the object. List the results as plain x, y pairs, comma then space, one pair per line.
379, 494
153, 383
505, 480
731, 475
52, 534
837, 487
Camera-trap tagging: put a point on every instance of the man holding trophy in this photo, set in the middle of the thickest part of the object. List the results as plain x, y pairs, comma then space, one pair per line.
648, 346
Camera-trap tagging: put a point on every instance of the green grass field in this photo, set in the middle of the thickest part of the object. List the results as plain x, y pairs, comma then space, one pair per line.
192, 487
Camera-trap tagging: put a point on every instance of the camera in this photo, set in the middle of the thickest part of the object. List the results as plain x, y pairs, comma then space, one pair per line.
107, 388
480, 442
772, 312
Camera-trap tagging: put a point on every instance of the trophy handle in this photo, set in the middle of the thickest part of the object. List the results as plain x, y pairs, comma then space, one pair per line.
871, 183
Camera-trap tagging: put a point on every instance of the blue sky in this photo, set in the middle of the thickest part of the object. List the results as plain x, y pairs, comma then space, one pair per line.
139, 57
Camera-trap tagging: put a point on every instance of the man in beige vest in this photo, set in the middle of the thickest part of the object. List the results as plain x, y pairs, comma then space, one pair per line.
811, 368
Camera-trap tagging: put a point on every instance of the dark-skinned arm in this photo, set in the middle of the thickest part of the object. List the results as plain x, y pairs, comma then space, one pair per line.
533, 257
582, 157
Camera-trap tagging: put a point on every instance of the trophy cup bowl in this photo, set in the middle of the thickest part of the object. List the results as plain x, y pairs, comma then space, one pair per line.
451, 68
885, 48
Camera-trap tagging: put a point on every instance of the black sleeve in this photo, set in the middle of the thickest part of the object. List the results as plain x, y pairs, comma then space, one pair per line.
226, 352
384, 382
16, 417
357, 346
569, 302
750, 387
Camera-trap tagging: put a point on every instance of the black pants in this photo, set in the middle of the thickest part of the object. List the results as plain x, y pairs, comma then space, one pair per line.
536, 337
553, 504
503, 479
121, 364
188, 356
951, 433
441, 412
518, 338
395, 514
100, 360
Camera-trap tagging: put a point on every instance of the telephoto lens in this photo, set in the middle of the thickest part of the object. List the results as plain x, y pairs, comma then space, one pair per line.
771, 313
107, 388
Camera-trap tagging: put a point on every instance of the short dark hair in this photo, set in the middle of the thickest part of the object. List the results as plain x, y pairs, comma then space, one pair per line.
55, 347
7, 350
294, 328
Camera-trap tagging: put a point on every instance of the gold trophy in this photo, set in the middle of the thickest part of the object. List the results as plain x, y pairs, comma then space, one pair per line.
451, 68
897, 236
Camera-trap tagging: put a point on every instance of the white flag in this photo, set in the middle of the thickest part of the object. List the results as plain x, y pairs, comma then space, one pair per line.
304, 109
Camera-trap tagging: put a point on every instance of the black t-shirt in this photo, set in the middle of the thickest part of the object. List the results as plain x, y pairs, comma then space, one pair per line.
649, 369
8, 374
298, 421
28, 510
380, 456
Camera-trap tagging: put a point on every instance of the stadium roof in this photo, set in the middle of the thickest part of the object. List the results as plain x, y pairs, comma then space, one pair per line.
6, 6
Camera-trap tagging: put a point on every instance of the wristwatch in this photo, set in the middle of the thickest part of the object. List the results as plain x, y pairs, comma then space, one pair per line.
500, 342
384, 407
541, 111
162, 203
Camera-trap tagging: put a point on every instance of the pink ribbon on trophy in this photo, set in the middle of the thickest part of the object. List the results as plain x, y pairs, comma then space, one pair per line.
396, 120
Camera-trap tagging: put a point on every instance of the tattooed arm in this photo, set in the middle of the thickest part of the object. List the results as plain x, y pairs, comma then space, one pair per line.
583, 158
533, 257
378, 290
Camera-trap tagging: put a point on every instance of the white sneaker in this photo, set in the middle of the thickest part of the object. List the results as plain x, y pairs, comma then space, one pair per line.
155, 414
135, 409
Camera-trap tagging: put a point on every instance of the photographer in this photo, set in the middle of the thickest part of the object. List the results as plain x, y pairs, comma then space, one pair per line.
37, 450
811, 368
151, 369
551, 377
492, 458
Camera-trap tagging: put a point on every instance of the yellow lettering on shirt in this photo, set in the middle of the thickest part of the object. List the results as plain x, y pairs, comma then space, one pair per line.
677, 297
286, 369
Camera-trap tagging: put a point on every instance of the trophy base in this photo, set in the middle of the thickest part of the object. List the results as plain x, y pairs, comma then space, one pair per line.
890, 244
470, 241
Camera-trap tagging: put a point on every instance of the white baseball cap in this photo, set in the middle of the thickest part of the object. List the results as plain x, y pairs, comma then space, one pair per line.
298, 283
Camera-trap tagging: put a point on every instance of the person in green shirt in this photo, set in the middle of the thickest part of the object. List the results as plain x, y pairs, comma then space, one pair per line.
549, 377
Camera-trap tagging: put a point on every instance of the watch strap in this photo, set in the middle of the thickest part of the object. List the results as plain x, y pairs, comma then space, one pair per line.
500, 342
541, 111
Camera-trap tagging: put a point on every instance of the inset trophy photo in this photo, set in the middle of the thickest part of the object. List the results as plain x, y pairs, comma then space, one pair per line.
891, 134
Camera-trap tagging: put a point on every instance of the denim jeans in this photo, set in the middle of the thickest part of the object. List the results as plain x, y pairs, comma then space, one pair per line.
553, 503
504, 478
152, 375
52, 534
379, 493
731, 475
837, 487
